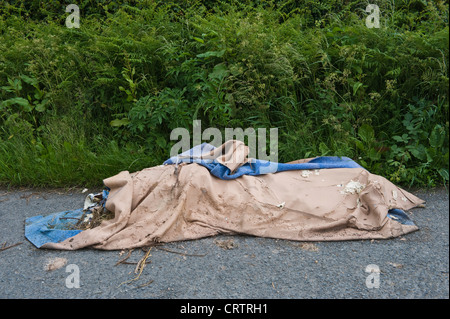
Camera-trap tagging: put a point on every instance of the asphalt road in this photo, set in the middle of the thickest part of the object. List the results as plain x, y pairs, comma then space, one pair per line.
413, 266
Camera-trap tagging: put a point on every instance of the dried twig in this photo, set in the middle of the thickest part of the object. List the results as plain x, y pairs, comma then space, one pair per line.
140, 267
4, 247
134, 262
180, 253
146, 284
124, 259
27, 197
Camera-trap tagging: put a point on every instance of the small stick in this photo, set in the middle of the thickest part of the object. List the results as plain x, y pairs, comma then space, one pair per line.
141, 266
134, 262
4, 247
124, 259
146, 284
180, 253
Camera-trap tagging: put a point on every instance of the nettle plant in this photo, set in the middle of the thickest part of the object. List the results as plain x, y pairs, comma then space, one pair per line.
25, 105
422, 148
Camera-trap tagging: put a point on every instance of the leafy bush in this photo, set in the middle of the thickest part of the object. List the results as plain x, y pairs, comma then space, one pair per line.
78, 105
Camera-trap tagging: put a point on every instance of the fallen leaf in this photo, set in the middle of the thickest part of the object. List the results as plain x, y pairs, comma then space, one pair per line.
226, 244
55, 263
399, 266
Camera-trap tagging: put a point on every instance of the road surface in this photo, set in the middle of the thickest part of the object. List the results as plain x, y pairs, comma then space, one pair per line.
413, 266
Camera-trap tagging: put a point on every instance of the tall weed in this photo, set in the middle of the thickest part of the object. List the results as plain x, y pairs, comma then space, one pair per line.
78, 105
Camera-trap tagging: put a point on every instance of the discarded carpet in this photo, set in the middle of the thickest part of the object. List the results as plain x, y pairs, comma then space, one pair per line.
185, 201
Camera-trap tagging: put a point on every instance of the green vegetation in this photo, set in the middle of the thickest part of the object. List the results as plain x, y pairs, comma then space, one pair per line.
80, 105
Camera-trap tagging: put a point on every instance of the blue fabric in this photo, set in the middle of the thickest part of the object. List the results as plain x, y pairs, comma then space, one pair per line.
400, 216
53, 228
56, 227
256, 166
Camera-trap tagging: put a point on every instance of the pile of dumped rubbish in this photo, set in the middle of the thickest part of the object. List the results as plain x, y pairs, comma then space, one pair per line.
59, 226
208, 191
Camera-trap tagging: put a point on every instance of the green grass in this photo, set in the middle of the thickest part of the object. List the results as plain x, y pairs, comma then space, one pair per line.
80, 105
67, 159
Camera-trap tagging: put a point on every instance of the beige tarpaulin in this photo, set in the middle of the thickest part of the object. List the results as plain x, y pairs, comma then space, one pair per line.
183, 202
